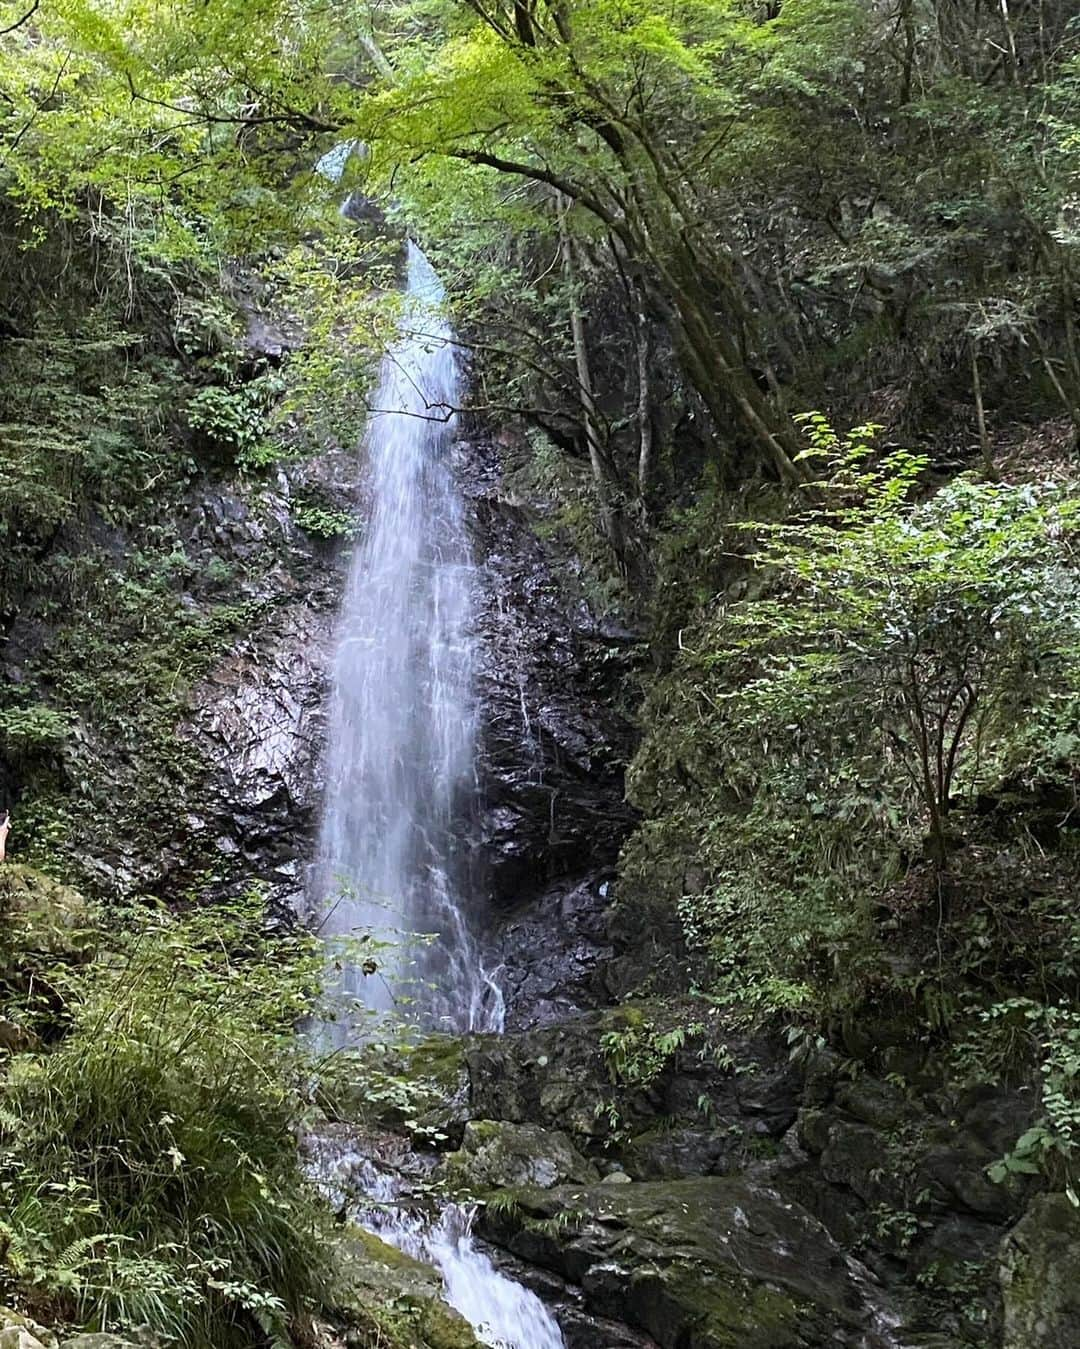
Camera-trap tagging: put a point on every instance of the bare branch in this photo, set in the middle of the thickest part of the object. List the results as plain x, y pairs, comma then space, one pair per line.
19, 22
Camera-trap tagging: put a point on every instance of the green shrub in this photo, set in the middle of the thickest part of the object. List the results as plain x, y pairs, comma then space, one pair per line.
149, 1172
316, 516
26, 730
829, 733
235, 416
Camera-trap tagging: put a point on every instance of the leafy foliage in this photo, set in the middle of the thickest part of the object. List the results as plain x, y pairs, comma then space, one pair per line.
821, 737
148, 1164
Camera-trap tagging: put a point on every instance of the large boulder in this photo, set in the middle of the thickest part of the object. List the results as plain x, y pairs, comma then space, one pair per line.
494, 1155
555, 1077
711, 1263
1040, 1277
422, 1089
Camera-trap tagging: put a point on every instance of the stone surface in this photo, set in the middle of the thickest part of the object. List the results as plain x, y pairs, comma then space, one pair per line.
97, 1341
18, 1337
404, 1295
555, 1077
494, 1154
553, 952
675, 1153
1040, 1277
553, 745
698, 1264
20, 1332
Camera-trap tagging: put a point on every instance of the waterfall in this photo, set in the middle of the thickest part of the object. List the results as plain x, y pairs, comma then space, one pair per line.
402, 727
400, 781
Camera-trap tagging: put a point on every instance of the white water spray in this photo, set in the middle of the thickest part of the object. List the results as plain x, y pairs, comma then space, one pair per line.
503, 1313
402, 730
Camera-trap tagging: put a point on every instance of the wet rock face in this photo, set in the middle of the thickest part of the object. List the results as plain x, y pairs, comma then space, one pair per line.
551, 814
552, 746
257, 718
553, 953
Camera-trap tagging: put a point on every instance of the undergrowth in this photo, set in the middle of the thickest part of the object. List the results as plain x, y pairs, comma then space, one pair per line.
149, 1173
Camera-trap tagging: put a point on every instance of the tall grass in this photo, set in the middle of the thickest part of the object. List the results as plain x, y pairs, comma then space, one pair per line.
149, 1173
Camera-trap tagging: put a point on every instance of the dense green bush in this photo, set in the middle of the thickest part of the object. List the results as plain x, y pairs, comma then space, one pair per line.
823, 741
149, 1172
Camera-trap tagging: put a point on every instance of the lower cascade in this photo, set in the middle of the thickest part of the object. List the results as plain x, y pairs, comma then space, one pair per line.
503, 1313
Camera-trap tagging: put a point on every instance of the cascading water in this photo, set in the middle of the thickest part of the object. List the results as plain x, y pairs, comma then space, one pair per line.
502, 1312
400, 771
400, 780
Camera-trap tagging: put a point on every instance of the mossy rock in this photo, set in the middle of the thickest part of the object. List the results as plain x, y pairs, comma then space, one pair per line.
43, 917
437, 1073
710, 1263
1040, 1265
20, 1332
440, 1064
494, 1155
396, 1299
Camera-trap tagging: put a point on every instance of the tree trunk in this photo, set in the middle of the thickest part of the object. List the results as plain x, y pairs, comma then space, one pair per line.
644, 409
598, 461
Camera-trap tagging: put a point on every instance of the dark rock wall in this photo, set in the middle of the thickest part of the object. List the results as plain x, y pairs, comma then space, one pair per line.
550, 811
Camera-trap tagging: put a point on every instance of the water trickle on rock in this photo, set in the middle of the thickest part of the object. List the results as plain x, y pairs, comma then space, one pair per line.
403, 717
502, 1312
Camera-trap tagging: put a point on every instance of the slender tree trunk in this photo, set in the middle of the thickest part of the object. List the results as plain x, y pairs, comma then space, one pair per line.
597, 452
907, 23
644, 409
985, 447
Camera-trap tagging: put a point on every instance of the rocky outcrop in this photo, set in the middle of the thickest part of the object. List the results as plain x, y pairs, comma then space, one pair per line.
553, 953
817, 1158
1040, 1265
553, 746
701, 1264
494, 1155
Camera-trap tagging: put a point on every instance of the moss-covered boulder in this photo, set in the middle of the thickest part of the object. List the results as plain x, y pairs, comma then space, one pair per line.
711, 1263
40, 917
439, 1068
554, 1076
494, 1155
20, 1332
393, 1301
421, 1089
1040, 1277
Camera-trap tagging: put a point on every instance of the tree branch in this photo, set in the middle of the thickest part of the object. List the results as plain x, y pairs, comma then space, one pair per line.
293, 117
19, 22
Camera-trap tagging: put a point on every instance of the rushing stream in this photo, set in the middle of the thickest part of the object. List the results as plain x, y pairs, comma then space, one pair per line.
400, 784
502, 1312
400, 770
